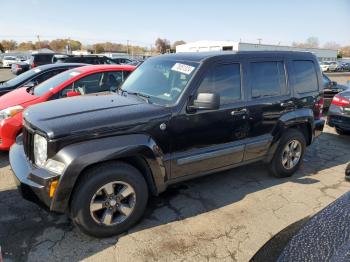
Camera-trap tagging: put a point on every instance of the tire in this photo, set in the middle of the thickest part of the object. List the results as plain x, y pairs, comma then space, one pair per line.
277, 165
91, 190
342, 131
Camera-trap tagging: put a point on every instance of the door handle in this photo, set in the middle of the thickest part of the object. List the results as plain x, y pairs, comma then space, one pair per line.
239, 112
289, 103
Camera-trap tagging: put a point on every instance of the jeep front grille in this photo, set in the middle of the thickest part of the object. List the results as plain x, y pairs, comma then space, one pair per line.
28, 144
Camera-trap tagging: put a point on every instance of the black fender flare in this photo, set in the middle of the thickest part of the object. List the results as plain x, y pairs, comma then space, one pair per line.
303, 116
80, 156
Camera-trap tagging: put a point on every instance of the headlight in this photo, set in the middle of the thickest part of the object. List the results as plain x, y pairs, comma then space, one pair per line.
40, 150
55, 166
10, 112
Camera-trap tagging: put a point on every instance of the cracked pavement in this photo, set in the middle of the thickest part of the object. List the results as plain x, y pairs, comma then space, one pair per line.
226, 216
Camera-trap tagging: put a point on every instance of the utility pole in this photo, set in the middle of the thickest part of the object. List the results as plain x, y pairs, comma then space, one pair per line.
259, 39
39, 41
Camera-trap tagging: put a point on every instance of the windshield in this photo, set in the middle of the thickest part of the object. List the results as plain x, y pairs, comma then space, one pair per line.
161, 81
9, 58
23, 77
55, 81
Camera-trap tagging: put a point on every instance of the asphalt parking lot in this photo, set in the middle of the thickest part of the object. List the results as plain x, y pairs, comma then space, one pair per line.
227, 216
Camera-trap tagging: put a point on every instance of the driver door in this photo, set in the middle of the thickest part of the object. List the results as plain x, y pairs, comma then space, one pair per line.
205, 140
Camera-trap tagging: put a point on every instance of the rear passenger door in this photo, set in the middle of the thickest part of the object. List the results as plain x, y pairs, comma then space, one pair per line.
269, 97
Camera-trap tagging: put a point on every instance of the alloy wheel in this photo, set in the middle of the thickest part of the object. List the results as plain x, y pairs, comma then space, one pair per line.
113, 203
291, 154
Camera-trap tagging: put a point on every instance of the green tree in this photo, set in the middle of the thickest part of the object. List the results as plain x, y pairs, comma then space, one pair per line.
98, 48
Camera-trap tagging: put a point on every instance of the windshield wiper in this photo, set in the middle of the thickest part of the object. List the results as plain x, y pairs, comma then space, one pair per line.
141, 95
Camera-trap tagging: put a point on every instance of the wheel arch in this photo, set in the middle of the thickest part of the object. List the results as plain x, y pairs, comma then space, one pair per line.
139, 151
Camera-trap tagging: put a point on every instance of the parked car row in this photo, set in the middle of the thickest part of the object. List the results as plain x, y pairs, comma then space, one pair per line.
21, 64
62, 80
177, 116
335, 66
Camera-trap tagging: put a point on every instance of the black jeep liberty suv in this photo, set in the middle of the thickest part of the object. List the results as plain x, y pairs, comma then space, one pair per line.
176, 117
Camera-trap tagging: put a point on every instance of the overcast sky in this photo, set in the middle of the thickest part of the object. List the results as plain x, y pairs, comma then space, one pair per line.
141, 22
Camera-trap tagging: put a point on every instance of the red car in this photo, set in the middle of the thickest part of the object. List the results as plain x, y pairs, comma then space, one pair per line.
78, 81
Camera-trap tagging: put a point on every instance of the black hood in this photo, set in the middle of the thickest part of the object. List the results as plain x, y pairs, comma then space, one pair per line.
91, 115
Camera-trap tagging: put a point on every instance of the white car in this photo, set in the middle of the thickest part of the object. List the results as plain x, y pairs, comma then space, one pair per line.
329, 66
7, 61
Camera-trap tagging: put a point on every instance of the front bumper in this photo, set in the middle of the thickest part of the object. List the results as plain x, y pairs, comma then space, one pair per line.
33, 183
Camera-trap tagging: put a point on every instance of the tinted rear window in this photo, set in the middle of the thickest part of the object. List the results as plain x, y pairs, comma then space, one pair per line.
43, 58
268, 79
305, 76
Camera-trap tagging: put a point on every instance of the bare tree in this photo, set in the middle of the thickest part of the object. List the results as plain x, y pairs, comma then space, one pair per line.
311, 42
331, 45
345, 51
176, 43
162, 45
26, 46
9, 45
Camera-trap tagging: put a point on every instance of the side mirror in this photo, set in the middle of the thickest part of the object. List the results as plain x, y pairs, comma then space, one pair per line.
73, 93
333, 83
206, 101
31, 84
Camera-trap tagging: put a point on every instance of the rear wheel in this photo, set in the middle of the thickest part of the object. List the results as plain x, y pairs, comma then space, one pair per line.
341, 131
289, 154
109, 199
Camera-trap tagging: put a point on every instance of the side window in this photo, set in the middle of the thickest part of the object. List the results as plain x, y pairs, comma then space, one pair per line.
111, 81
43, 77
126, 74
89, 84
109, 61
43, 58
268, 79
64, 91
305, 76
224, 80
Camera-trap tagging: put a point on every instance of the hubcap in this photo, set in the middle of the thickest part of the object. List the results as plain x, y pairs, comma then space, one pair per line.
113, 203
291, 154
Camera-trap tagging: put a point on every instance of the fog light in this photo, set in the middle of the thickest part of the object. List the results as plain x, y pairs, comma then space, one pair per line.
53, 186
55, 166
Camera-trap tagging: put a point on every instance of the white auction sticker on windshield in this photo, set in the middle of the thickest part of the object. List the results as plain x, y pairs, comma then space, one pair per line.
182, 68
74, 73
37, 70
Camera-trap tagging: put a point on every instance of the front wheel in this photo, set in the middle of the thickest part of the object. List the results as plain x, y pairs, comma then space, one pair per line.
109, 199
289, 154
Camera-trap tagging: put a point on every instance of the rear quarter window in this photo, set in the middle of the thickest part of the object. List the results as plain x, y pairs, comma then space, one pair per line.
305, 76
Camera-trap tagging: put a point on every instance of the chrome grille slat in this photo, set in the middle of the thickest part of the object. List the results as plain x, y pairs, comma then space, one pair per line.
28, 144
